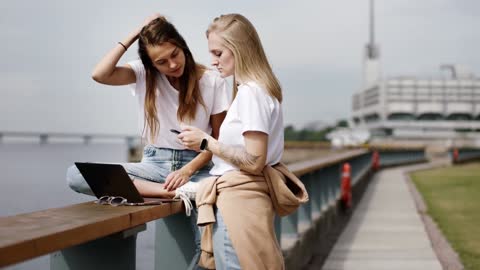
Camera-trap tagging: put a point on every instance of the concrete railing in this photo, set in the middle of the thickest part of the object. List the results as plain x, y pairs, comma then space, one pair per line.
461, 155
317, 224
395, 157
321, 178
81, 236
312, 228
91, 236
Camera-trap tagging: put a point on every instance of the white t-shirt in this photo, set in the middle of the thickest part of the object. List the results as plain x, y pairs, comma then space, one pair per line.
213, 89
253, 109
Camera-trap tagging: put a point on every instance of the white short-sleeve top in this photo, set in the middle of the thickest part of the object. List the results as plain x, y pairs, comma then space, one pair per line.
213, 89
253, 109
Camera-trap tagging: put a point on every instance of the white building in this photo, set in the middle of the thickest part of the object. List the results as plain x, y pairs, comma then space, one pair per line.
412, 107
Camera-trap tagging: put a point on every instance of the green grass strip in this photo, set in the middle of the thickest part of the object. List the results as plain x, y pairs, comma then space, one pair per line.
452, 195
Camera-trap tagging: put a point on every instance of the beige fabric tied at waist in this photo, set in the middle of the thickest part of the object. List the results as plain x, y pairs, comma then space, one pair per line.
248, 204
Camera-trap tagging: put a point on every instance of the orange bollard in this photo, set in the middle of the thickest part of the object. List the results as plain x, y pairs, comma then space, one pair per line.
375, 161
455, 155
345, 187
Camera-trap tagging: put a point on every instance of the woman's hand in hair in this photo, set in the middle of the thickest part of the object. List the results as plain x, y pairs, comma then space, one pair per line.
191, 137
107, 71
177, 179
148, 20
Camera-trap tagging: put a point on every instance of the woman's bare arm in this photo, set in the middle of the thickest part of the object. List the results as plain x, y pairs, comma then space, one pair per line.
107, 72
251, 157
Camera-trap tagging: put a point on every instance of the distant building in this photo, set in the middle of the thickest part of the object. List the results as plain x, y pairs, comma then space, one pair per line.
418, 107
412, 107
341, 137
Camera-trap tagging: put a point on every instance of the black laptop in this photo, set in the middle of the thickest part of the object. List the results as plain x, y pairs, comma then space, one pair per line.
113, 180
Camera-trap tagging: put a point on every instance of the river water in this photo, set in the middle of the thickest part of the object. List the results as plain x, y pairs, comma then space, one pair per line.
33, 178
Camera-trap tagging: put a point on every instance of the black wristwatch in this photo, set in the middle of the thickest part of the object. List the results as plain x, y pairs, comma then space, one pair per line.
204, 145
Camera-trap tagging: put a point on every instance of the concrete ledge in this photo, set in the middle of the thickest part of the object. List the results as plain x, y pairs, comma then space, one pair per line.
27, 236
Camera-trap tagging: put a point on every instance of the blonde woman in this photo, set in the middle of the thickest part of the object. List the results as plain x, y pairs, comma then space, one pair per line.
251, 138
171, 89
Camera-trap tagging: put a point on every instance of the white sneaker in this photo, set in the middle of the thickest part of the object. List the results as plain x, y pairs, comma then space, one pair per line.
189, 190
187, 193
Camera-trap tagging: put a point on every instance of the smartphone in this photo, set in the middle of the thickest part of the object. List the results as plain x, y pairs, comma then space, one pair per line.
175, 131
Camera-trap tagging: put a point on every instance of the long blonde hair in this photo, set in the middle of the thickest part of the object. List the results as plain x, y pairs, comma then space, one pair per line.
189, 96
251, 64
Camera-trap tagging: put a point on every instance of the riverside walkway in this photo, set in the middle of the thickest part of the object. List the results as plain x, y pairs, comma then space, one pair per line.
70, 247
385, 230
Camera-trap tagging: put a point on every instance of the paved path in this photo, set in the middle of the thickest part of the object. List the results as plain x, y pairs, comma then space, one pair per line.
385, 231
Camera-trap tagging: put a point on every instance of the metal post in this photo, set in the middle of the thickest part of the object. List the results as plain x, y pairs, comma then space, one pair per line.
331, 176
316, 194
278, 229
117, 251
174, 242
43, 138
322, 179
305, 210
87, 139
289, 230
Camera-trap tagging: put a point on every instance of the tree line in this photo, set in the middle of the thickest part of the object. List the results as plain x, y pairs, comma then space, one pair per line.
305, 134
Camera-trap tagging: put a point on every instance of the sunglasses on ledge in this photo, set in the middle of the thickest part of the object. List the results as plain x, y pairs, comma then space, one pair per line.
112, 200
117, 201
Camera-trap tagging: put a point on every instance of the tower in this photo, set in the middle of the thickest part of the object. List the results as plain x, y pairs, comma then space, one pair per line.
371, 59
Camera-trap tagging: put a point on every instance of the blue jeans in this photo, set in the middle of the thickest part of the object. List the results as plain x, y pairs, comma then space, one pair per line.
155, 166
223, 251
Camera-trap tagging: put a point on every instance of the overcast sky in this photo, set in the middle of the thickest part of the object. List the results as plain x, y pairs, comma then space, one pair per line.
49, 48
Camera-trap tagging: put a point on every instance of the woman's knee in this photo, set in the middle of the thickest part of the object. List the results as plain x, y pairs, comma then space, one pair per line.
76, 181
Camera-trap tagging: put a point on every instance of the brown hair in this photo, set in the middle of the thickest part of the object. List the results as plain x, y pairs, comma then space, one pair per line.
156, 32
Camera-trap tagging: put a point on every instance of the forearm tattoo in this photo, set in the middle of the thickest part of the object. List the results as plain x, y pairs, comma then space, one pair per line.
237, 155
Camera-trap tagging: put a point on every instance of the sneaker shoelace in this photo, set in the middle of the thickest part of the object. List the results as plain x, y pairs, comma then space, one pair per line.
186, 201
187, 193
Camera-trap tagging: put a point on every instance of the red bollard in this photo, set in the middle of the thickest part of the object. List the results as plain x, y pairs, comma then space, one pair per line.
375, 161
455, 155
345, 187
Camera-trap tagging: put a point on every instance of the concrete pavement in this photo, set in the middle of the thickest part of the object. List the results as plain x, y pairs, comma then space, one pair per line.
385, 231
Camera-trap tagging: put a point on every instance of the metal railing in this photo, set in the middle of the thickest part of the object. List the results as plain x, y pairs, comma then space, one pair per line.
401, 157
298, 233
460, 155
